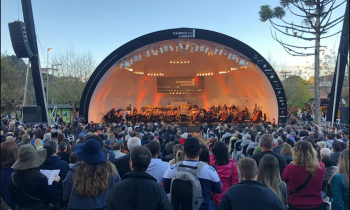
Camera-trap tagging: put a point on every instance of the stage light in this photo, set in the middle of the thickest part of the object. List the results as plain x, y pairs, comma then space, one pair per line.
140, 57
206, 74
177, 61
202, 48
171, 62
180, 45
131, 69
121, 66
148, 74
152, 75
212, 73
232, 69
161, 50
136, 58
148, 54
241, 63
192, 49
197, 47
126, 64
234, 57
171, 48
216, 50
157, 52
220, 53
206, 50
166, 48
181, 62
157, 75
229, 56
187, 46
152, 51
197, 75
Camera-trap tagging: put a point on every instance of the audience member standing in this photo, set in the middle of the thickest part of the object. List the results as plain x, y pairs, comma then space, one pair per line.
226, 168
138, 189
9, 155
266, 145
287, 153
269, 176
117, 149
340, 183
89, 182
179, 155
336, 149
27, 186
304, 177
157, 167
250, 194
122, 163
64, 155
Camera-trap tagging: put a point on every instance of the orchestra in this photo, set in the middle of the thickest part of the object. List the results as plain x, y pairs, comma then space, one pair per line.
186, 113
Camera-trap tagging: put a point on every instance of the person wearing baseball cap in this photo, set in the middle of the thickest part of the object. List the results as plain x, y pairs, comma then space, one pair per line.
28, 187
92, 192
207, 175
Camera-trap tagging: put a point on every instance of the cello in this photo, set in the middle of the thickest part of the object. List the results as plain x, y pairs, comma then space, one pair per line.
240, 116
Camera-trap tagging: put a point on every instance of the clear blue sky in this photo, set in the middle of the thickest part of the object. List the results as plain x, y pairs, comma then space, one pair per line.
103, 26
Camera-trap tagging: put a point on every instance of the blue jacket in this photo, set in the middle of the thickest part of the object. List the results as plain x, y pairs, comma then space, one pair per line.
340, 193
54, 163
5, 194
249, 195
157, 168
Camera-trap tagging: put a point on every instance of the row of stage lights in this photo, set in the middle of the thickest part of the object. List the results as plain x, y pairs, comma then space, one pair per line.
155, 74
178, 93
193, 47
179, 61
205, 74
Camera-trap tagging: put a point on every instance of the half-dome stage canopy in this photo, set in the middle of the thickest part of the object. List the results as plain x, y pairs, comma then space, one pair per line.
233, 73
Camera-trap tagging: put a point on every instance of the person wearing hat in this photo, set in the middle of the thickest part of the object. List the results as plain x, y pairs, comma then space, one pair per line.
207, 175
27, 186
88, 183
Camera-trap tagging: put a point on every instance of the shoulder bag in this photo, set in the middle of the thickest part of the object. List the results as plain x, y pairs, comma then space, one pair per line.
285, 185
303, 185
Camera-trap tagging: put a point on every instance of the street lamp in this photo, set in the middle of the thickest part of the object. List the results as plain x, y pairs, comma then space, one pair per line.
47, 81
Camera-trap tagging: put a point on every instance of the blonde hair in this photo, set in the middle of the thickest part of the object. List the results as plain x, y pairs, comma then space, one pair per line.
9, 138
38, 143
178, 152
343, 166
287, 149
306, 156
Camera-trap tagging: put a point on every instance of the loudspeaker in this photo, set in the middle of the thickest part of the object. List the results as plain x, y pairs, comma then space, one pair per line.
19, 39
32, 114
344, 115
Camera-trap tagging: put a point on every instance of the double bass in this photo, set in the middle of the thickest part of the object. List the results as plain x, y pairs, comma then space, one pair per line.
256, 115
240, 116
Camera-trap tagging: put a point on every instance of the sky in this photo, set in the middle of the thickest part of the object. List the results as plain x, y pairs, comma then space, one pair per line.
103, 26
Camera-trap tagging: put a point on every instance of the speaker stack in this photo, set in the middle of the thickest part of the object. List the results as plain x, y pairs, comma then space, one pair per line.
32, 114
344, 115
19, 39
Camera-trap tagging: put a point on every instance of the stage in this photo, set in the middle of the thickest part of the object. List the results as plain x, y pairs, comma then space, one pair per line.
192, 66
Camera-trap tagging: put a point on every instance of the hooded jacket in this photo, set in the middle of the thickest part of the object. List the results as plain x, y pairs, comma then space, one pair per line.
140, 185
157, 169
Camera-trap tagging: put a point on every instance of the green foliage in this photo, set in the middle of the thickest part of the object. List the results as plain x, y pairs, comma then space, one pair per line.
265, 13
12, 83
279, 12
297, 91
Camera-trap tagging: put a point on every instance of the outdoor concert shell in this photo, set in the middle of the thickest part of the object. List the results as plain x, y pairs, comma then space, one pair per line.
112, 86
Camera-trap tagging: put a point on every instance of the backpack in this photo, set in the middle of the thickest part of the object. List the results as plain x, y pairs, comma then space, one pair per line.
185, 188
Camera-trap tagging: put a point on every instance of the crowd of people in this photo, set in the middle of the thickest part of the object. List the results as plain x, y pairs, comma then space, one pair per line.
161, 166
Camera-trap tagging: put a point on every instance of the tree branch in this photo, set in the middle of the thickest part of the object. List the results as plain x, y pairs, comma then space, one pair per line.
295, 13
292, 28
287, 49
300, 37
331, 35
325, 29
293, 25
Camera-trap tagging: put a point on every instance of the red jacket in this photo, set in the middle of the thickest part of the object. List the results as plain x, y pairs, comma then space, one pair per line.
225, 176
310, 196
182, 141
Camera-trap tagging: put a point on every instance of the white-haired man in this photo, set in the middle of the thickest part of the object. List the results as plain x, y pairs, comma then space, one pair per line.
325, 152
122, 163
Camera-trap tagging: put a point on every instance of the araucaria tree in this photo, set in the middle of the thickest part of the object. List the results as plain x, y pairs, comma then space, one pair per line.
316, 21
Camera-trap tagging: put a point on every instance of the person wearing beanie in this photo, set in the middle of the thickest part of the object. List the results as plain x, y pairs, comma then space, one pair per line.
207, 175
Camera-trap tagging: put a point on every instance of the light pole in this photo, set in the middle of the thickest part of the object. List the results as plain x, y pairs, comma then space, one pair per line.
47, 81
